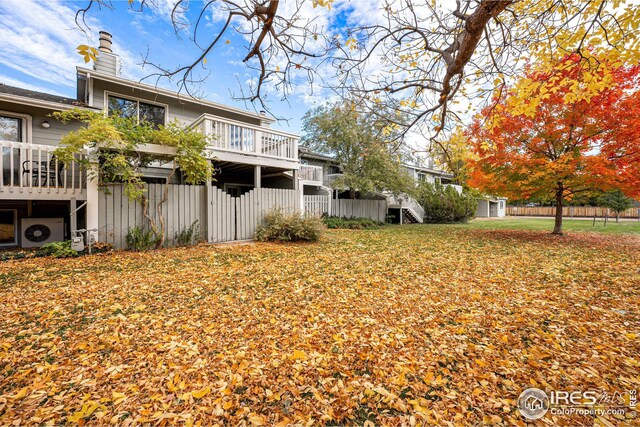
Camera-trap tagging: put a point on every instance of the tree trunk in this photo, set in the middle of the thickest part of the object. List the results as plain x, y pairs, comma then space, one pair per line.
617, 217
352, 194
557, 228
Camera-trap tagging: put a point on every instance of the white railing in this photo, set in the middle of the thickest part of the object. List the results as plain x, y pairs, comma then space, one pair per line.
234, 136
311, 173
34, 167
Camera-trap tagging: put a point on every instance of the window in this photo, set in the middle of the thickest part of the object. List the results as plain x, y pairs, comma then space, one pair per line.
241, 139
143, 111
501, 204
7, 227
422, 176
10, 129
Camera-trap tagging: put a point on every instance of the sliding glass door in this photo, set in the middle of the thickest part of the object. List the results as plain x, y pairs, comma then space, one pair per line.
10, 131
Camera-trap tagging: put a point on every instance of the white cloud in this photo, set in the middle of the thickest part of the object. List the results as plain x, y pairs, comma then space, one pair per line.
39, 39
10, 81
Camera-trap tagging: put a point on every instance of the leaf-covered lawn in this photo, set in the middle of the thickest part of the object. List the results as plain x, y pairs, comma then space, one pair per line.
401, 325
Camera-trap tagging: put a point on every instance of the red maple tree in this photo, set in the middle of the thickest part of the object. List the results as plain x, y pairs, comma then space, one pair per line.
557, 142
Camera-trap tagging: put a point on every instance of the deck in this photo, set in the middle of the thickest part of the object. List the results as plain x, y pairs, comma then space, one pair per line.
238, 142
32, 171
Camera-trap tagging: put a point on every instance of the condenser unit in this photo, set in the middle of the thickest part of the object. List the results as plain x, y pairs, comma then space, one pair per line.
39, 231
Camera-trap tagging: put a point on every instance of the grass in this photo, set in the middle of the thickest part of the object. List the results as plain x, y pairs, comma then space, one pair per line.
436, 324
568, 225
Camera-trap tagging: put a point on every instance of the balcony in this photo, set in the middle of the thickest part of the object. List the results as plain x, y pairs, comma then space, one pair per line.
239, 142
311, 175
33, 171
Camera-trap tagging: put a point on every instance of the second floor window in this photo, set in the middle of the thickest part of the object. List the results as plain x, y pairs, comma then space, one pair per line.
10, 129
142, 111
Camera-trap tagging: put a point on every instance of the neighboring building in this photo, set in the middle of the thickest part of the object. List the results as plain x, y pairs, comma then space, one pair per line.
491, 207
48, 198
401, 207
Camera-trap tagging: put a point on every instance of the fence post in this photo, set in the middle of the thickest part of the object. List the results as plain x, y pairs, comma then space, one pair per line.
208, 222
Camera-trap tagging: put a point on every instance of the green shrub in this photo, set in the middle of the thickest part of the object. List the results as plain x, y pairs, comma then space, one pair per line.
289, 227
58, 250
350, 223
139, 239
188, 236
443, 204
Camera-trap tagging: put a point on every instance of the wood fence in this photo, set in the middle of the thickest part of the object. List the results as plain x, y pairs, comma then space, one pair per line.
251, 208
317, 204
221, 217
118, 214
570, 211
372, 209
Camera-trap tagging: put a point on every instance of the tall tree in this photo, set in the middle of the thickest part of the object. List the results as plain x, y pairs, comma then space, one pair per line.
576, 132
361, 144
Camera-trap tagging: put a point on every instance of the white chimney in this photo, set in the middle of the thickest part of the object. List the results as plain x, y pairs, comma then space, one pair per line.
107, 62
105, 42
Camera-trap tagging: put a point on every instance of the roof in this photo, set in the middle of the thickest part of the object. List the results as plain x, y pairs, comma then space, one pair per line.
181, 97
309, 154
32, 94
429, 170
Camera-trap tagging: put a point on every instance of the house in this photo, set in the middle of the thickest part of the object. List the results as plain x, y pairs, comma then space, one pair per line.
491, 207
42, 199
400, 208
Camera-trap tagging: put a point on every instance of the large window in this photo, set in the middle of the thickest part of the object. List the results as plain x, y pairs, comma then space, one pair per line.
10, 129
142, 111
7, 227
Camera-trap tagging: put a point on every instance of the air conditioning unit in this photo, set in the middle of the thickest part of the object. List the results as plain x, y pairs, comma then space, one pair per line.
39, 231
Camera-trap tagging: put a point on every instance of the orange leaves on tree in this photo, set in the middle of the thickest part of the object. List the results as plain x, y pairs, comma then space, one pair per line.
561, 130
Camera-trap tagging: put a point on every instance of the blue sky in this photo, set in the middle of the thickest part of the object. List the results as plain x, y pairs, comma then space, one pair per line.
38, 50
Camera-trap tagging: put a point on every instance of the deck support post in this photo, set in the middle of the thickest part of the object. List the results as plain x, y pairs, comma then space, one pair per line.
73, 217
257, 177
93, 195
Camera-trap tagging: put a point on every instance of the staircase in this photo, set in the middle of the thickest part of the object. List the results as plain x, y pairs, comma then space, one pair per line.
411, 210
409, 217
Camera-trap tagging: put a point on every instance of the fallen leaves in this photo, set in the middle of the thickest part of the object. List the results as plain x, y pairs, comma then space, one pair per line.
397, 326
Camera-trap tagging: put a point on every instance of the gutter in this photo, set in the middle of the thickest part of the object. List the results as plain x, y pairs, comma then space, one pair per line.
34, 102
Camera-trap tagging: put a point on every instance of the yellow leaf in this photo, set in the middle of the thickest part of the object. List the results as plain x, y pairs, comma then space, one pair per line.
201, 393
227, 405
631, 336
298, 354
118, 397
257, 419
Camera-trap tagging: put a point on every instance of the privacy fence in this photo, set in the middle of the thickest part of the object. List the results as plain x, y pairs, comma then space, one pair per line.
320, 204
221, 217
570, 211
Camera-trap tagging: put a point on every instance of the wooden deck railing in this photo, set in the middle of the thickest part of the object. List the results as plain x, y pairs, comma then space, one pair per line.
34, 169
233, 136
311, 173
